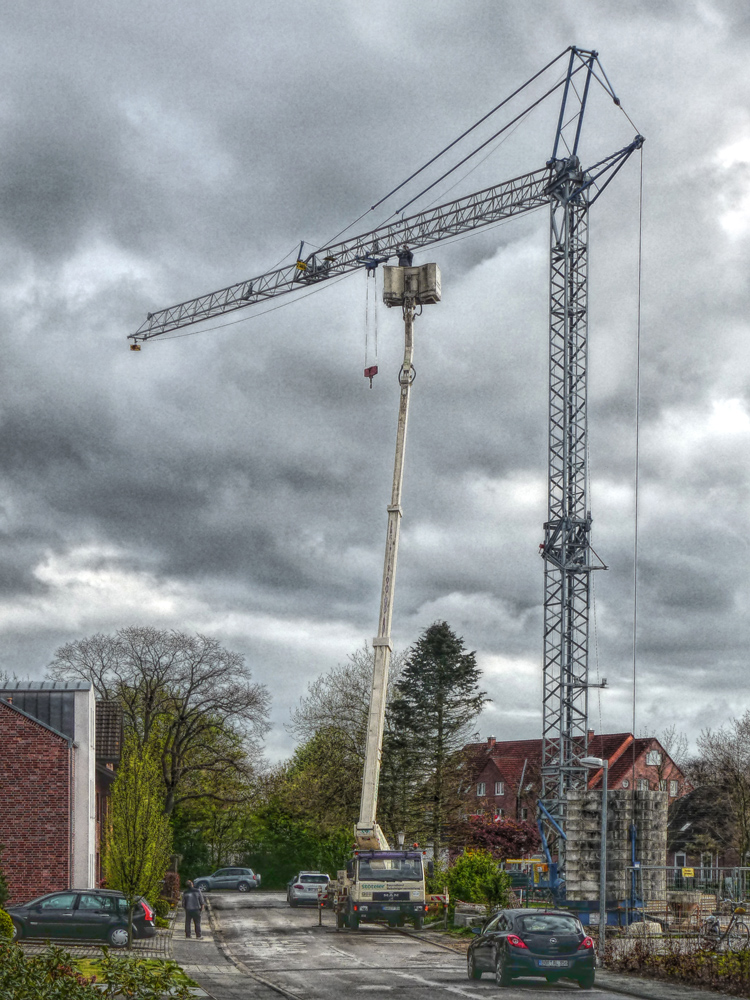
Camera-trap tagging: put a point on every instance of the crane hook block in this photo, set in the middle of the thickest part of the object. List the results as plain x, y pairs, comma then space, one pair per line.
135, 347
371, 372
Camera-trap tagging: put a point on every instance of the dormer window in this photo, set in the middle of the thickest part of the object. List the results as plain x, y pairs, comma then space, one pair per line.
499, 788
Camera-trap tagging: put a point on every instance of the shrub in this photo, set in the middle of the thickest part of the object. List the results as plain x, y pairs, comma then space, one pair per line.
162, 907
3, 883
475, 877
49, 976
6, 925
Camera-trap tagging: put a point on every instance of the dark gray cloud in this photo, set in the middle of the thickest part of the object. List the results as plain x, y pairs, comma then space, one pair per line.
236, 481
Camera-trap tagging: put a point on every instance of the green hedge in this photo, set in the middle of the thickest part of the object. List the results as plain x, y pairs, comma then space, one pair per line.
6, 925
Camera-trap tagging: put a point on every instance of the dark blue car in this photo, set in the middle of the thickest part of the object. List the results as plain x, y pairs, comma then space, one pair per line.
551, 944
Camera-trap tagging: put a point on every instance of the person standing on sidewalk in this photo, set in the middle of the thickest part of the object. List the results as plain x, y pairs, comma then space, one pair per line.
193, 902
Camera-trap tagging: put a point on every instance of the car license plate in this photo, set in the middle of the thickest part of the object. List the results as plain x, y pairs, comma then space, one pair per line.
391, 907
553, 963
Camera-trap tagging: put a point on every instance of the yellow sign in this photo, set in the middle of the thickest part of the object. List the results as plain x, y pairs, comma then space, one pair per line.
688, 872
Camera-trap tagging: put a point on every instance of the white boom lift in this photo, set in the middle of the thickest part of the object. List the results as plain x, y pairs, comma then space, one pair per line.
381, 883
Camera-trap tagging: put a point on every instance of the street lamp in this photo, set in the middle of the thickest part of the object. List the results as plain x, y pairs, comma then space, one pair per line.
604, 765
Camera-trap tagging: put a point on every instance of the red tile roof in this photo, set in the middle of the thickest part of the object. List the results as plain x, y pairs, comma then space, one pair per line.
508, 756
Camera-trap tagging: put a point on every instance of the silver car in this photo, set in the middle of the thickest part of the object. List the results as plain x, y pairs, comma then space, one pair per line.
305, 887
242, 879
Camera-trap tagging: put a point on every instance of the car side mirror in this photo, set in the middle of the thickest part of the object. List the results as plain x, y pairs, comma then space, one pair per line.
476, 930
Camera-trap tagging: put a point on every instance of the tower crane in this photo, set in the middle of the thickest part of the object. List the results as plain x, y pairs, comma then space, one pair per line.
569, 190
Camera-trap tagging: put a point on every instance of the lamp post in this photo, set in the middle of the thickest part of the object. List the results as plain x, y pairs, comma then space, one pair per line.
604, 765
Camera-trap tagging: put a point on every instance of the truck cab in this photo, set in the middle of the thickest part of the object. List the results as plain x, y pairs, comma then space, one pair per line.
382, 886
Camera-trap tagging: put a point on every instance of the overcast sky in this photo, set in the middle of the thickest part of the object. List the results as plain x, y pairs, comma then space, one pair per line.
235, 482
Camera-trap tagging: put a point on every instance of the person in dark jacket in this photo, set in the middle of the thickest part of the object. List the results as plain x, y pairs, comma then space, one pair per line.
193, 903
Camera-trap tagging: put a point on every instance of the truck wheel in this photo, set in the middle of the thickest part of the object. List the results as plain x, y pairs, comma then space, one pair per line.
353, 922
418, 921
340, 921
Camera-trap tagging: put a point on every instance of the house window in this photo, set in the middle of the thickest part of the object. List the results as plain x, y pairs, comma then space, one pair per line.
674, 788
653, 757
680, 860
662, 784
625, 783
499, 788
524, 813
643, 784
498, 814
481, 788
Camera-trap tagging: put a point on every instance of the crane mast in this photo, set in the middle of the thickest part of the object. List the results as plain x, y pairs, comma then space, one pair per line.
570, 191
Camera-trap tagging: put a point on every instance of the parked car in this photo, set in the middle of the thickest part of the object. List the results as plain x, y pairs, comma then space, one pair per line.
242, 879
547, 943
305, 887
84, 913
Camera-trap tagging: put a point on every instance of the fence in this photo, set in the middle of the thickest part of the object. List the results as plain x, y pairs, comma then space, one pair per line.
680, 898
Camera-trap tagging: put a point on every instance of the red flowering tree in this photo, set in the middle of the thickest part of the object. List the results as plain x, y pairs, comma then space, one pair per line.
503, 838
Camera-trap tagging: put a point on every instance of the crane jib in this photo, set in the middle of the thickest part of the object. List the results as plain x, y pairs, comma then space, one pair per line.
483, 208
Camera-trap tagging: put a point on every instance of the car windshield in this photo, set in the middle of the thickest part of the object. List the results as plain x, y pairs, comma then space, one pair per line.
314, 879
548, 923
390, 869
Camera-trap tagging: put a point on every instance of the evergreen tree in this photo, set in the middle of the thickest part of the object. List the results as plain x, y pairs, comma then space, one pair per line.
437, 703
138, 844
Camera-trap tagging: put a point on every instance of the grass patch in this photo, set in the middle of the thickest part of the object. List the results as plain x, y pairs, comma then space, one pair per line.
93, 967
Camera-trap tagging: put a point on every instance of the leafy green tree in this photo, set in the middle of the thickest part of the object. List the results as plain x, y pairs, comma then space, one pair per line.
138, 841
196, 694
475, 877
437, 701
3, 883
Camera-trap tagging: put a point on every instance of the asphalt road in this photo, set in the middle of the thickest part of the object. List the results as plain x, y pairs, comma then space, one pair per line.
287, 949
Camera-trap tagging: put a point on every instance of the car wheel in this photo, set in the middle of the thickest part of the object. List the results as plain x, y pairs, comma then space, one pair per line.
471, 967
118, 937
587, 980
244, 887
292, 902
17, 931
203, 886
502, 972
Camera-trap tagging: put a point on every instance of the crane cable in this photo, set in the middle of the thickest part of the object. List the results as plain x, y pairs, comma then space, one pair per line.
637, 455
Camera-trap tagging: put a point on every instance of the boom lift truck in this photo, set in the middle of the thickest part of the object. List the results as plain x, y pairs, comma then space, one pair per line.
568, 189
380, 883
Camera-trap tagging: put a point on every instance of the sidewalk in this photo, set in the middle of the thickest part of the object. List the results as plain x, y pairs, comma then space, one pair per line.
652, 989
203, 960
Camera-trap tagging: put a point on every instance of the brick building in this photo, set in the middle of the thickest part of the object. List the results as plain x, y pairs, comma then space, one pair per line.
506, 776
40, 803
36, 788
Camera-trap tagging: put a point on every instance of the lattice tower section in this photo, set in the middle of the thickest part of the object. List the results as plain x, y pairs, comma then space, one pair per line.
566, 548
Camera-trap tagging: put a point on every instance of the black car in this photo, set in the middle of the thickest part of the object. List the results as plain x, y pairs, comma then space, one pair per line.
547, 943
82, 913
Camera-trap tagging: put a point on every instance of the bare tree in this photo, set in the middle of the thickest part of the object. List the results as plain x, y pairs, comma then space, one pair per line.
195, 695
339, 701
725, 765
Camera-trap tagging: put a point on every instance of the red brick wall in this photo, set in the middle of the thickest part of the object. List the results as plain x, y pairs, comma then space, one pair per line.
35, 795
